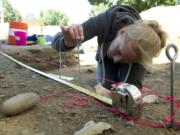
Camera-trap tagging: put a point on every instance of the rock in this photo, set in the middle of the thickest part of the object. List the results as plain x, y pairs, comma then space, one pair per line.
40, 133
64, 66
150, 99
11, 73
2, 76
129, 124
158, 80
90, 71
2, 96
102, 116
46, 88
6, 85
92, 128
19, 103
34, 76
26, 132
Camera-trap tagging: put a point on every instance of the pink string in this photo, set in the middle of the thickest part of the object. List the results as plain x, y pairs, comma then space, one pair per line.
82, 102
78, 101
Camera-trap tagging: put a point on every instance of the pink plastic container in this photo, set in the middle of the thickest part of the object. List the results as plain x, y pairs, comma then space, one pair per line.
21, 37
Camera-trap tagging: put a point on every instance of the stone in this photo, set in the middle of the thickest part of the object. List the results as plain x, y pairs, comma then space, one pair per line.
150, 99
129, 124
19, 103
2, 76
92, 128
2, 96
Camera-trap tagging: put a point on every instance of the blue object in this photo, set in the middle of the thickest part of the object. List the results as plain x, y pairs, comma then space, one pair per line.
34, 38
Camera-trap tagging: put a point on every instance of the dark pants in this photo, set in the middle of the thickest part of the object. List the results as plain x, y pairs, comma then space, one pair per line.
119, 73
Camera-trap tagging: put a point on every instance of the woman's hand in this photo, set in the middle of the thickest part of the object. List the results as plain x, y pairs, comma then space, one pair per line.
72, 34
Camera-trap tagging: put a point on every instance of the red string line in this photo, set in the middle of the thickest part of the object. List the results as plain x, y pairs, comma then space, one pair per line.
81, 101
76, 100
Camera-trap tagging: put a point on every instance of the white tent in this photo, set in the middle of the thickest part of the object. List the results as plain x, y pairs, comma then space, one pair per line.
168, 17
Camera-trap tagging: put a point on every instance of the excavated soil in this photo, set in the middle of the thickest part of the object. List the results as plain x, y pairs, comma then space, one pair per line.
53, 117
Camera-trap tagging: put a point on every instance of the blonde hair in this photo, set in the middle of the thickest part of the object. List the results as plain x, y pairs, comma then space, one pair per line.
149, 40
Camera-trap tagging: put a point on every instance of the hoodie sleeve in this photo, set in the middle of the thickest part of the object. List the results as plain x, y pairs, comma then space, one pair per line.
58, 43
94, 26
91, 28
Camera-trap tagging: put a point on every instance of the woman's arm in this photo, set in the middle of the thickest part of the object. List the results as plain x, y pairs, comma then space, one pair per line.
77, 33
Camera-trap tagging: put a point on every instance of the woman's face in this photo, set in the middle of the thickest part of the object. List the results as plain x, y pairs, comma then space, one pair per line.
121, 51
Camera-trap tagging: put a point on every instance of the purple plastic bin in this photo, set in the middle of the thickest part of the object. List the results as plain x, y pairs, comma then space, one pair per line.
21, 38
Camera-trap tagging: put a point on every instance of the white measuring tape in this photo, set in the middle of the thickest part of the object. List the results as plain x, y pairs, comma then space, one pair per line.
76, 87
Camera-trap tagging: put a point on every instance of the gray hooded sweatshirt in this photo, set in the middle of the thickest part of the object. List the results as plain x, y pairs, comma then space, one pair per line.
105, 27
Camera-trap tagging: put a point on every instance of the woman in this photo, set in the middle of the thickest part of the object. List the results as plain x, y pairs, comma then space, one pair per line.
126, 44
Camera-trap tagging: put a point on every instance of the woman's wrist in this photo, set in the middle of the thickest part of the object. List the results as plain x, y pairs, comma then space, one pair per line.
68, 45
65, 46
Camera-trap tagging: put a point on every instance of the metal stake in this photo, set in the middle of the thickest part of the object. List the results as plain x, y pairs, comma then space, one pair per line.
79, 65
60, 62
172, 59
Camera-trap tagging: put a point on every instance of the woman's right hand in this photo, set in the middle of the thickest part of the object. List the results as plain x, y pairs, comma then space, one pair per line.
72, 34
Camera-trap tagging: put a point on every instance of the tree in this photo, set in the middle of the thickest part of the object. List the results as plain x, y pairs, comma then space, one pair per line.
99, 6
10, 13
1, 12
53, 17
98, 9
140, 5
97, 2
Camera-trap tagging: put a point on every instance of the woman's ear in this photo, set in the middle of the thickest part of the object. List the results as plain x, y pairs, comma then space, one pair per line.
121, 31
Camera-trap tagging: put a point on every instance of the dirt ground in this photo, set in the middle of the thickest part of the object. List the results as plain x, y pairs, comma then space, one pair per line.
52, 117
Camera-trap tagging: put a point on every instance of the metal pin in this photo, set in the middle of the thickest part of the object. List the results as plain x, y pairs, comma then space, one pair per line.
79, 65
60, 62
172, 59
